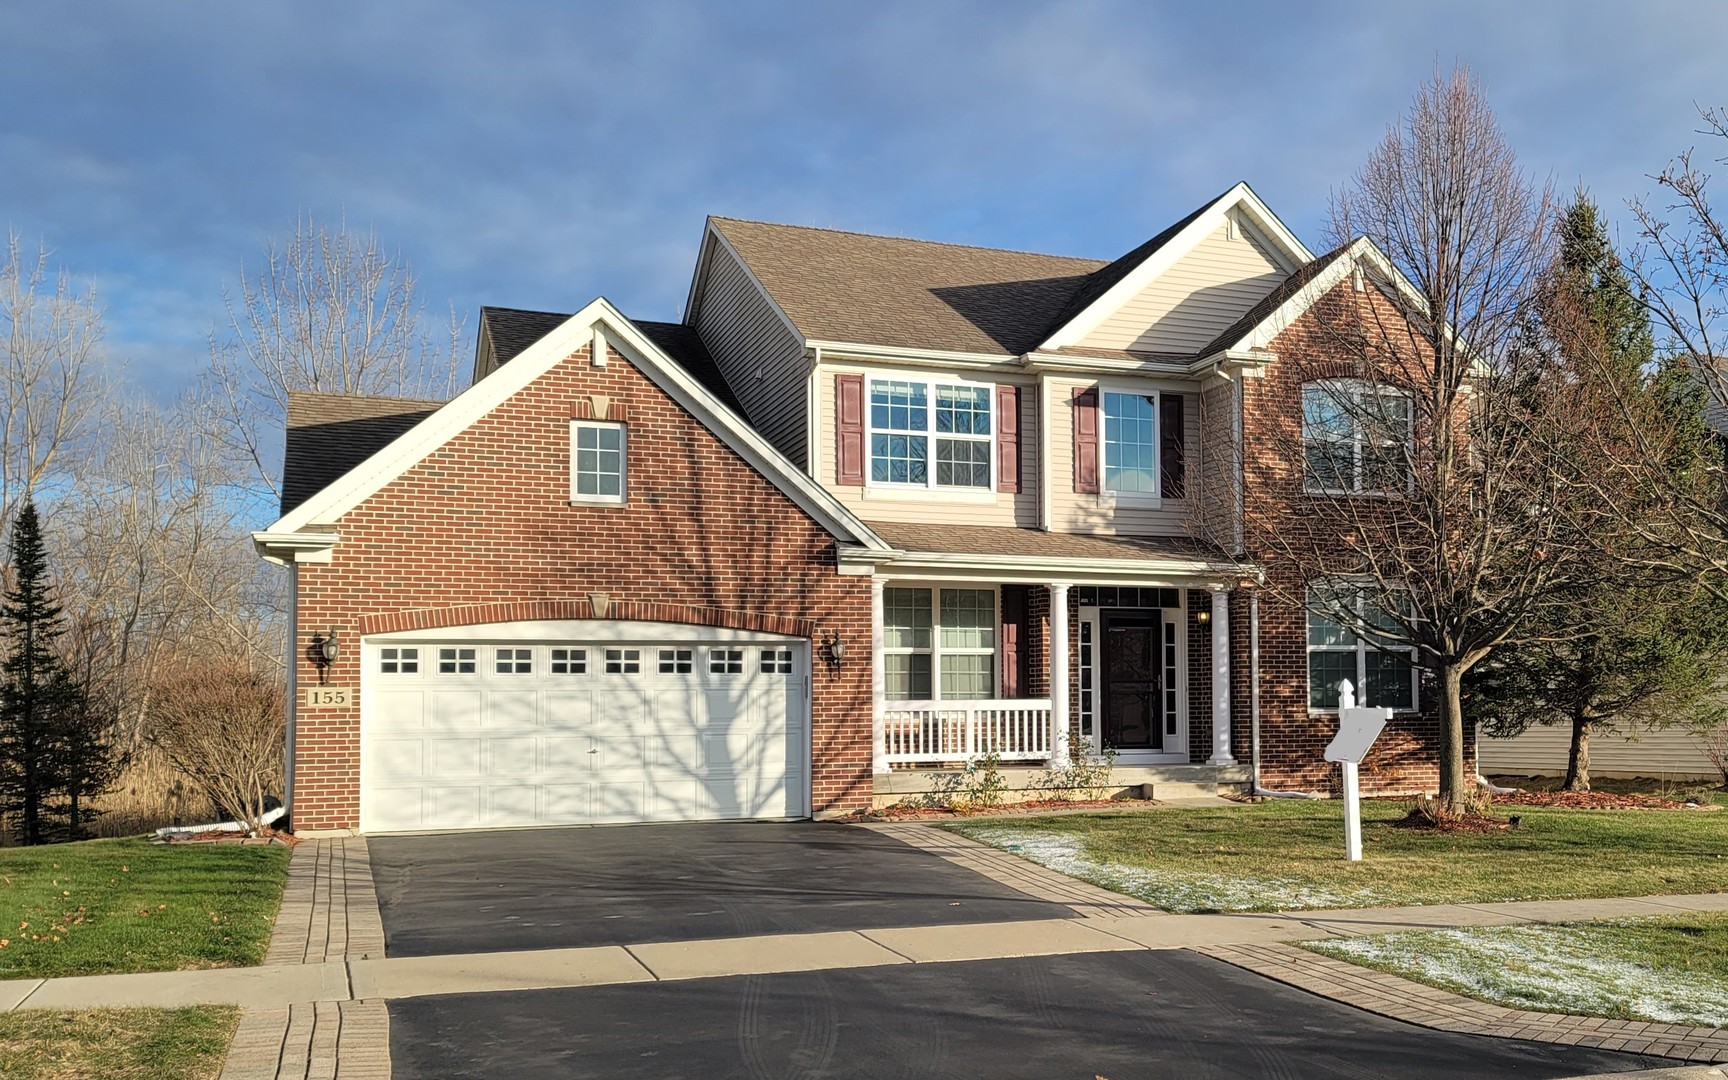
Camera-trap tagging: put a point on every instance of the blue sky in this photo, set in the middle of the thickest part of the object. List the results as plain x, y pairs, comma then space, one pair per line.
538, 154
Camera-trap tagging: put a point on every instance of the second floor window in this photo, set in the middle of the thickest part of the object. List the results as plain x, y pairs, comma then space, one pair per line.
1131, 443
930, 434
1356, 438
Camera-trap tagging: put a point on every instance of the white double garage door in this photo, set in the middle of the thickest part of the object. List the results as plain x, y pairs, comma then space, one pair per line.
522, 724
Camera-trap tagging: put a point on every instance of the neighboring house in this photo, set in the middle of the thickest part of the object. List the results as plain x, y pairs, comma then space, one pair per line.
792, 555
1675, 753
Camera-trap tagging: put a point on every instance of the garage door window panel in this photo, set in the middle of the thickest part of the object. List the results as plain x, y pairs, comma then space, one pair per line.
456, 661
726, 661
569, 661
676, 661
623, 661
777, 661
399, 661
513, 661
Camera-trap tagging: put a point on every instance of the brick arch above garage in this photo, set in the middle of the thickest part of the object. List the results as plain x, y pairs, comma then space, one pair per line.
582, 609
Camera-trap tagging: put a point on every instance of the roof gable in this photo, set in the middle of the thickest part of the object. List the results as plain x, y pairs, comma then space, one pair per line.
1131, 276
600, 324
329, 434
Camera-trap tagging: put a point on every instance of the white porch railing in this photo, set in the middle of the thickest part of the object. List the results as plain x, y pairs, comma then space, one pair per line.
1015, 729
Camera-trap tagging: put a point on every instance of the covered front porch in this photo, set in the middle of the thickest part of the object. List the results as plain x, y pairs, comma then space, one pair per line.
1095, 647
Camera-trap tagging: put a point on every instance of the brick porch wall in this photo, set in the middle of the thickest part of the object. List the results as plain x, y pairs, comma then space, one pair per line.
484, 527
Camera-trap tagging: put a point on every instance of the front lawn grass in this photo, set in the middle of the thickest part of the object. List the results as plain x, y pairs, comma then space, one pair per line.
1289, 855
1671, 970
104, 906
116, 1044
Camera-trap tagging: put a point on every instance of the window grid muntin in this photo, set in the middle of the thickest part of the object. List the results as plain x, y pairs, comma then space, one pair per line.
396, 660
776, 661
1131, 443
726, 661
1336, 652
567, 661
513, 661
907, 415
598, 462
623, 661
677, 661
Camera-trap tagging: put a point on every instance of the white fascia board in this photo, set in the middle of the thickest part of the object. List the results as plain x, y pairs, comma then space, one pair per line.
409, 449
285, 548
1103, 365
898, 354
1032, 566
1172, 252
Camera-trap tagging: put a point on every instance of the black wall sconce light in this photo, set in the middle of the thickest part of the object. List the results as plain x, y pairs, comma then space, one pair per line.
325, 650
1203, 617
836, 650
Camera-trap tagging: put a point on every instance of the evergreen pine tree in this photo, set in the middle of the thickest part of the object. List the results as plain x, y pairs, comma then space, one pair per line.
38, 699
1619, 648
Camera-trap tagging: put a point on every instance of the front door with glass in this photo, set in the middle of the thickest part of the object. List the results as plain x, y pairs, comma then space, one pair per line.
1130, 680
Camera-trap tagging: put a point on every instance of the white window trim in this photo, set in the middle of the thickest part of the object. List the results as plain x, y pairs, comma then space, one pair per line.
1353, 388
1107, 496
623, 463
1361, 649
930, 436
936, 651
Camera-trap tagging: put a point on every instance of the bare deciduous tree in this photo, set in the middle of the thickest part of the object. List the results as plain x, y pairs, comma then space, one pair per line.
330, 310
50, 334
1412, 502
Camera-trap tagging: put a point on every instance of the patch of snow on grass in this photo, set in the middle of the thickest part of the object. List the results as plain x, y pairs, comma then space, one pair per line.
1565, 969
1172, 890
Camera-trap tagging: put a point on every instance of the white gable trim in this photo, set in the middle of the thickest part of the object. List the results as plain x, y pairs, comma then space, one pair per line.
1362, 252
599, 317
1239, 199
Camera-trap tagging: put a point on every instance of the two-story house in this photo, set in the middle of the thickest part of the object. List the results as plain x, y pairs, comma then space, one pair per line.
874, 508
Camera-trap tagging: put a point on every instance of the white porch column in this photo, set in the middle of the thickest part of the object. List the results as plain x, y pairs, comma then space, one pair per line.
878, 694
1059, 676
1221, 678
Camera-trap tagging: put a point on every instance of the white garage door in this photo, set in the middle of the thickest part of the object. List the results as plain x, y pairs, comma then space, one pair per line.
476, 729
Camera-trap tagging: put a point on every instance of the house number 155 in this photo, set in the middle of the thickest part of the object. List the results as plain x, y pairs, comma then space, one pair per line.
326, 695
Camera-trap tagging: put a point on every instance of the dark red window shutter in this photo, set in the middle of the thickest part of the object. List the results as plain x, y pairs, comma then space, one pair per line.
1086, 439
1173, 479
1008, 438
849, 429
1016, 646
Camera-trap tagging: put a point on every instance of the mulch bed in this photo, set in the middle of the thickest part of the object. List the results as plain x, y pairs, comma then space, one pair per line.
1596, 800
1019, 809
1471, 823
223, 836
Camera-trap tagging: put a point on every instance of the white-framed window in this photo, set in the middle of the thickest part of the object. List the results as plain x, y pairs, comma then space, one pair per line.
1356, 438
776, 661
931, 434
455, 661
1382, 669
1131, 443
513, 661
623, 661
597, 461
676, 661
726, 661
939, 643
569, 661
399, 661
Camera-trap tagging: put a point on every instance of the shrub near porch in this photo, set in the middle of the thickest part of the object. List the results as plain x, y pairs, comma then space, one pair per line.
1280, 856
105, 906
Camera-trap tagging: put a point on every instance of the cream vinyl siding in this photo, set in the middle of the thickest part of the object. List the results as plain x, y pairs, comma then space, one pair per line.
1541, 751
1196, 299
762, 359
1073, 512
969, 508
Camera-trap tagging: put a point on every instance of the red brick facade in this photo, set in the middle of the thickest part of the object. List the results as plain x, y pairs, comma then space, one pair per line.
484, 530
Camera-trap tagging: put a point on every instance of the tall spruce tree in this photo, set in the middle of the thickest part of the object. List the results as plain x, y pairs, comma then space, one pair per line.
1621, 647
39, 702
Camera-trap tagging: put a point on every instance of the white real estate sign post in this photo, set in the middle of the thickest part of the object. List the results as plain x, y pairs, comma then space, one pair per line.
1357, 730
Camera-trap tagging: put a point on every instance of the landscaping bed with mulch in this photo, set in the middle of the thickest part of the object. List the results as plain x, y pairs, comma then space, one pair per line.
1598, 800
1038, 807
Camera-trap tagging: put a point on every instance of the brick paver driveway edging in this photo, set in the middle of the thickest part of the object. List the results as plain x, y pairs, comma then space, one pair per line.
1431, 1007
329, 913
1083, 898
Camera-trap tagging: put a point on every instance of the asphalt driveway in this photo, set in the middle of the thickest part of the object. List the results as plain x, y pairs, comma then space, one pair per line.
564, 888
1124, 1016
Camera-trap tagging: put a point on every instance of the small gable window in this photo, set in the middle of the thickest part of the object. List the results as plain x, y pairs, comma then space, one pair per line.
597, 455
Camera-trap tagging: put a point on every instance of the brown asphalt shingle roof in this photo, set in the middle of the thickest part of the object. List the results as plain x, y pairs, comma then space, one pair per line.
920, 294
329, 434
1001, 540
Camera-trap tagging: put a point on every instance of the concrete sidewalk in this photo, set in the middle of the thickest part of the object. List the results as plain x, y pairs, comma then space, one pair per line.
384, 979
